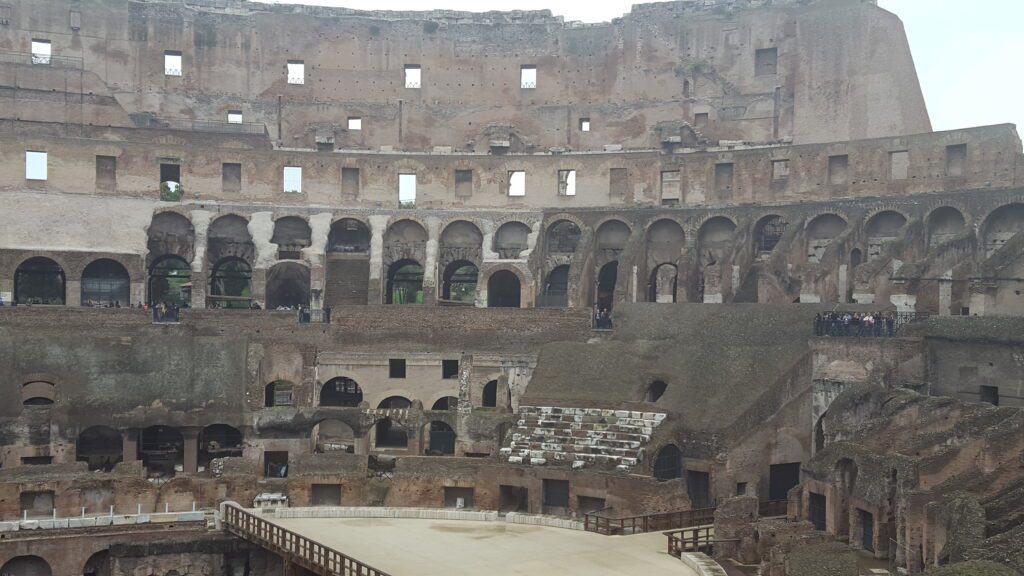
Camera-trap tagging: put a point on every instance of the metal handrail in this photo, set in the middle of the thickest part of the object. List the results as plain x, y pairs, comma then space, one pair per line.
193, 125
293, 547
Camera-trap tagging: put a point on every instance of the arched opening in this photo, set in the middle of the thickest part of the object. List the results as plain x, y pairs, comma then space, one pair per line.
170, 234
387, 434
663, 283
446, 403
855, 259
461, 240
606, 279
819, 434
459, 282
170, 282
715, 240
162, 451
821, 231
291, 234
405, 283
39, 281
612, 237
563, 237
288, 286
395, 403
26, 566
556, 288
101, 447
511, 239
944, 224
655, 390
219, 441
668, 464
98, 564
38, 394
333, 436
231, 284
490, 395
503, 290
349, 236
404, 242
1002, 225
442, 439
768, 232
278, 393
105, 283
883, 228
341, 392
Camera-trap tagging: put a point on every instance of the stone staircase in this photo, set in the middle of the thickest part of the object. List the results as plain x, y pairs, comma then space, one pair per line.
581, 437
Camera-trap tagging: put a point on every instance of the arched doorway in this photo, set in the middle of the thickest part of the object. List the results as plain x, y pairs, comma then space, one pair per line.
162, 451
442, 439
405, 283
288, 286
219, 441
101, 447
668, 464
655, 390
231, 284
490, 395
563, 237
341, 392
503, 290
459, 282
387, 435
606, 279
39, 281
170, 282
291, 234
556, 288
98, 564
663, 284
106, 283
26, 566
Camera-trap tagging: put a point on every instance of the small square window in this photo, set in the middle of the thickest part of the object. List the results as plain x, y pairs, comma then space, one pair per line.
780, 169
517, 183
989, 394
172, 63
106, 172
837, 169
355, 123
350, 181
231, 177
463, 183
396, 368
956, 160
406, 189
671, 187
35, 165
723, 177
566, 182
234, 116
293, 179
741, 488
449, 369
413, 75
42, 50
528, 77
296, 72
584, 124
700, 120
766, 62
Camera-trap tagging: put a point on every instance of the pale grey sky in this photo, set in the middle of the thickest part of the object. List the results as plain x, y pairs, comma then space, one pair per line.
967, 51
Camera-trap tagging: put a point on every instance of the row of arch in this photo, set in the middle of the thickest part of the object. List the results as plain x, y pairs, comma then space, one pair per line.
343, 392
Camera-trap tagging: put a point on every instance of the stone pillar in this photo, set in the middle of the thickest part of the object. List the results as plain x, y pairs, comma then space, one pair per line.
946, 294
261, 229
316, 255
130, 445
430, 272
200, 223
137, 293
375, 288
72, 292
191, 460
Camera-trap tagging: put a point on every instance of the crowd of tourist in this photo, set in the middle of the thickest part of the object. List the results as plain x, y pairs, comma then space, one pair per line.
855, 324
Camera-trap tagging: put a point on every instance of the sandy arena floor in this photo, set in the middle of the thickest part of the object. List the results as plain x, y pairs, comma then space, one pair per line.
447, 547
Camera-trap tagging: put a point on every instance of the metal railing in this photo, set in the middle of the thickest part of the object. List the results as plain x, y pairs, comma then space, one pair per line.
596, 522
42, 60
192, 125
293, 547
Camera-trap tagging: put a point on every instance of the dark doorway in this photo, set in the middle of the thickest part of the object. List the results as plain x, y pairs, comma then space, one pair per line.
341, 392
490, 395
556, 288
326, 495
782, 478
556, 497
816, 510
231, 284
162, 451
105, 283
405, 283
606, 285
389, 436
100, 447
459, 282
668, 464
39, 281
275, 464
513, 499
503, 290
867, 525
288, 286
170, 281
442, 439
698, 487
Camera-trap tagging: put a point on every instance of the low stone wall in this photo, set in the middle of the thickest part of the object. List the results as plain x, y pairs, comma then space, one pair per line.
422, 514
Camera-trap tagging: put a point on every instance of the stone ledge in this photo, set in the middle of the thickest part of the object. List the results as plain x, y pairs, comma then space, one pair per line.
702, 564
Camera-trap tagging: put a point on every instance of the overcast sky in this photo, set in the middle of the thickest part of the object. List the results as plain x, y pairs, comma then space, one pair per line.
968, 52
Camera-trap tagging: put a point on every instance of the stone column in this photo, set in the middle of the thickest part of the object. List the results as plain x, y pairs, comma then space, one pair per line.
316, 255
200, 223
130, 445
375, 288
73, 292
261, 229
432, 252
191, 460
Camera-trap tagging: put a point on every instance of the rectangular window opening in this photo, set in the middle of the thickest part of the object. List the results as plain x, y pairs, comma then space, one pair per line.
517, 183
700, 120
355, 123
464, 183
528, 76
350, 181
989, 394
413, 75
35, 165
566, 182
293, 179
899, 165
106, 172
671, 189
723, 177
37, 504
172, 63
837, 169
618, 182
458, 497
584, 124
396, 368
766, 61
449, 369
741, 488
780, 169
275, 464
234, 116
36, 460
231, 177
296, 72
406, 190
956, 160
42, 51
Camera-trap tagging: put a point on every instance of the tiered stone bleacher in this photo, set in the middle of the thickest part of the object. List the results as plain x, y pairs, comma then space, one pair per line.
581, 437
